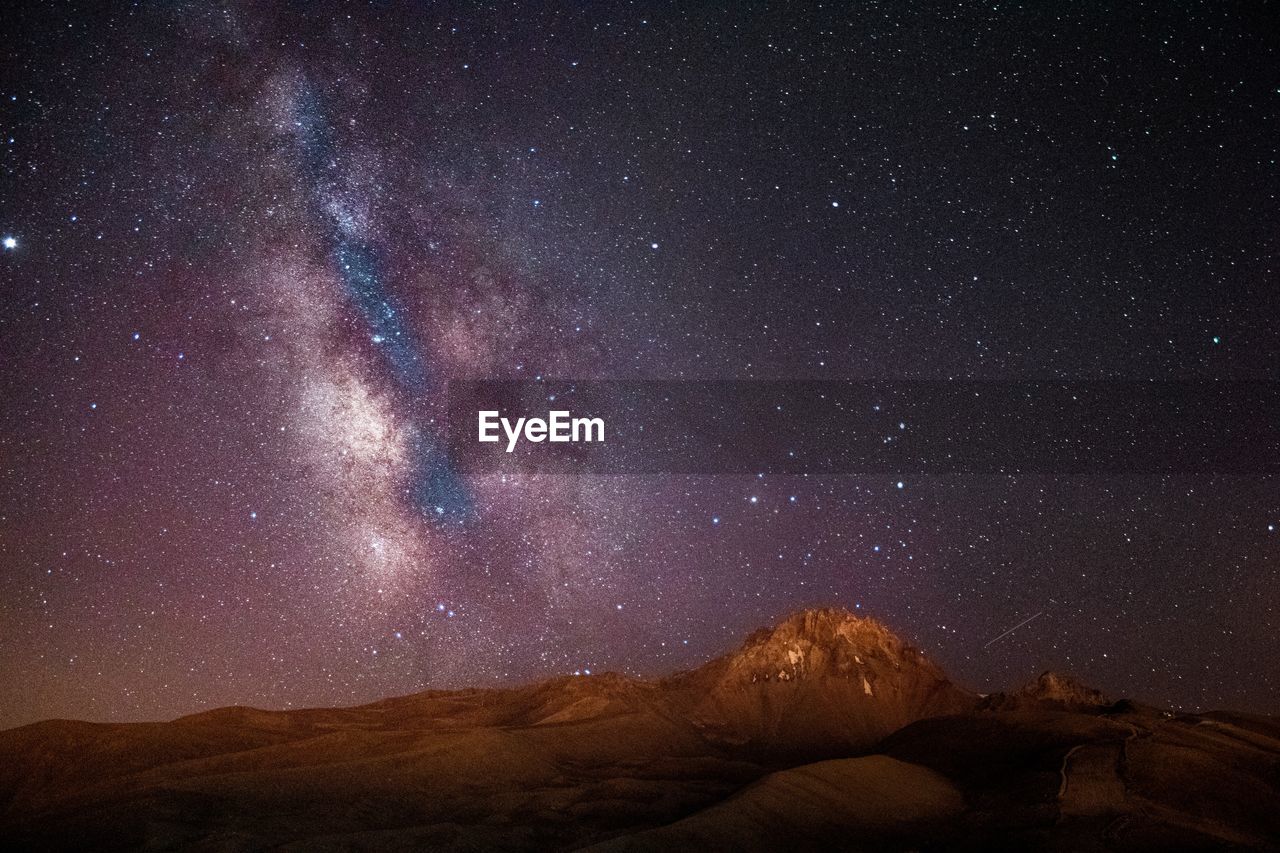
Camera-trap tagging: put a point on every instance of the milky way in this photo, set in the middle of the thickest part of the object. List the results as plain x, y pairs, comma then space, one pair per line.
248, 246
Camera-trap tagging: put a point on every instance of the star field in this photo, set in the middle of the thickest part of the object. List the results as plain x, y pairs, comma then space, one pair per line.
245, 246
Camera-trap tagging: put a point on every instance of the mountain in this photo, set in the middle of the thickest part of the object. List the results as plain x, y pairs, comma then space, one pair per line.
1050, 690
821, 683
826, 732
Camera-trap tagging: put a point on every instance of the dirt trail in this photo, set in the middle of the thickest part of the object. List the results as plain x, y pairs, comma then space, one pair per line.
1092, 778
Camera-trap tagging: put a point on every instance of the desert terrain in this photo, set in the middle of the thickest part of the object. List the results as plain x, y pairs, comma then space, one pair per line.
825, 732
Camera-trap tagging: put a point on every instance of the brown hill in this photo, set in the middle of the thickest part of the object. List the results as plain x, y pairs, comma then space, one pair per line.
821, 683
717, 757
1050, 690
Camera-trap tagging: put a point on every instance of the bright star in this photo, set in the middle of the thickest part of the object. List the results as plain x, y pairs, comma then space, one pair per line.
10, 243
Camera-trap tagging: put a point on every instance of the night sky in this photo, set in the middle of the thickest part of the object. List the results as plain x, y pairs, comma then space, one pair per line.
247, 246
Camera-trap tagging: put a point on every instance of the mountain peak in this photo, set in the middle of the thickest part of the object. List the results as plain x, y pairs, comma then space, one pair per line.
1057, 687
825, 624
824, 676
1052, 690
825, 641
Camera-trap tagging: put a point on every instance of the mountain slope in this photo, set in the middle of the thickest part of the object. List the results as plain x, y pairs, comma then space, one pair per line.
821, 683
888, 802
825, 732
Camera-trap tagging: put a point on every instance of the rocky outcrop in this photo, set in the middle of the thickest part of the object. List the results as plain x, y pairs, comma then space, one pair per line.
820, 679
1053, 691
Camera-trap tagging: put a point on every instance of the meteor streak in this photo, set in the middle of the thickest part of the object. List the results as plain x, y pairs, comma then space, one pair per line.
1014, 628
